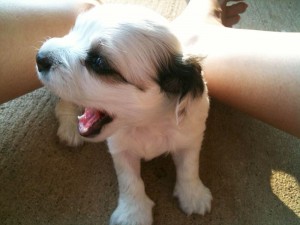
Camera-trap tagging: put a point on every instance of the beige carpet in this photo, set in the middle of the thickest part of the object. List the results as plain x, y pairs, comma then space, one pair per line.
252, 169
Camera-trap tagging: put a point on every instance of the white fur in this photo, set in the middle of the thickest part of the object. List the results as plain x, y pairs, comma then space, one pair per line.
146, 122
66, 113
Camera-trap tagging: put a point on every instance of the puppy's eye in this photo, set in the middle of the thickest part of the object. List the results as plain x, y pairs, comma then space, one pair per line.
100, 66
98, 63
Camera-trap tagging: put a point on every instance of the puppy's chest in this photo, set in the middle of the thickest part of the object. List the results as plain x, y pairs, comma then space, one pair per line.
147, 142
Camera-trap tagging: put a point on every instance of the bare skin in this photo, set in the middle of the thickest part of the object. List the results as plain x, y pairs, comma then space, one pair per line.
24, 34
256, 72
24, 26
262, 81
230, 15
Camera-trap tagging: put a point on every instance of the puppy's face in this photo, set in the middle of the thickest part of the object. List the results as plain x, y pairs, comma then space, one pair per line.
116, 63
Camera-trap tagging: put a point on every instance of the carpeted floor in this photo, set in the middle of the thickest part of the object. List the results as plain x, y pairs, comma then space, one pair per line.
252, 169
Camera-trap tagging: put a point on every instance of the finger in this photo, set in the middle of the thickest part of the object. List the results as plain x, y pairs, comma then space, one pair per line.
236, 9
230, 21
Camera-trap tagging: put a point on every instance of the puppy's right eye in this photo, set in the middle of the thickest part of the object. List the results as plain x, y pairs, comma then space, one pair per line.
98, 64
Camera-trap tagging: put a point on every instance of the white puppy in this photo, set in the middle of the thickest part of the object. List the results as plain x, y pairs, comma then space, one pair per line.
123, 69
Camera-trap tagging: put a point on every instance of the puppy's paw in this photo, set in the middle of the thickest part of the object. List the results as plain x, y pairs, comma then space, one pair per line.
193, 197
66, 114
69, 135
133, 213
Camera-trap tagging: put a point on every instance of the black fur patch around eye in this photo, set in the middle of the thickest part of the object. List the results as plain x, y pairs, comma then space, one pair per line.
181, 77
99, 65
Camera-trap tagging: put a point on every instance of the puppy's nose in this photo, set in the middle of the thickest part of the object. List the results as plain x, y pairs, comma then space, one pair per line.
43, 61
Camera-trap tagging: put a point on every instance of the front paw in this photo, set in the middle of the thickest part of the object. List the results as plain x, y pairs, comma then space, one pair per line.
193, 197
69, 135
133, 213
66, 114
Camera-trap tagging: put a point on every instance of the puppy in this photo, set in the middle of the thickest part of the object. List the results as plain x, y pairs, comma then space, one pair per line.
123, 69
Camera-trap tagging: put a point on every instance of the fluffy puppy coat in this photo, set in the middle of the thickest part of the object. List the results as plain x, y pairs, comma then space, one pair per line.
123, 69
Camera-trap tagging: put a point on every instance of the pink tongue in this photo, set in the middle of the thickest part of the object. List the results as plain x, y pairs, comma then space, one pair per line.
87, 119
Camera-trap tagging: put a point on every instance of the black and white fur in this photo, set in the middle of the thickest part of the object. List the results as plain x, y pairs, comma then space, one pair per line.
125, 61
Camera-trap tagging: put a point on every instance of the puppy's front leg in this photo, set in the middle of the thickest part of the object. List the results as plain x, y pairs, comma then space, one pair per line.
134, 206
193, 196
67, 113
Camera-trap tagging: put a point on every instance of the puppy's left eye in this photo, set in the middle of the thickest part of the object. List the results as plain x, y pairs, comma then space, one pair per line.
98, 63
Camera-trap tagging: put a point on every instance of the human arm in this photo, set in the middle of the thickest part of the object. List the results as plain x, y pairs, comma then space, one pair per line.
24, 26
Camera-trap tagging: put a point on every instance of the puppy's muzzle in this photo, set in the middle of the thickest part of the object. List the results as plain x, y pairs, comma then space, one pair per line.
44, 62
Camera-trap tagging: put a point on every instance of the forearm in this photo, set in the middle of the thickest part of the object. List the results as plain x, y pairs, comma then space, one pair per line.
24, 26
257, 72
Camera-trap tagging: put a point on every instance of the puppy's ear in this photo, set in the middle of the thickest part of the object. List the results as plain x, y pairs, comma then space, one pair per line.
182, 77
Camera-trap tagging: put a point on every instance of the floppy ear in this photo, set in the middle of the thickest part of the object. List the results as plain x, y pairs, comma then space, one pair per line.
182, 77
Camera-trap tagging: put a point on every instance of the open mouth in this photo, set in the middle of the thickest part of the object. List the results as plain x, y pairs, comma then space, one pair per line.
91, 122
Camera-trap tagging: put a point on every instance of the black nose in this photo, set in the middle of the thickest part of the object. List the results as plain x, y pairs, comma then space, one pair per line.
43, 61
